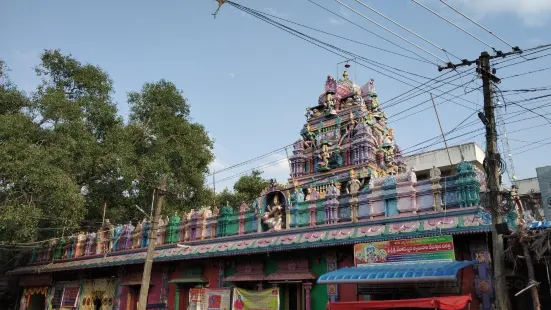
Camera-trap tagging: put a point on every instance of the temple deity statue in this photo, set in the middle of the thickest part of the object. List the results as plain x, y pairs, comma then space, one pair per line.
324, 155
329, 104
316, 113
354, 185
309, 136
308, 113
274, 216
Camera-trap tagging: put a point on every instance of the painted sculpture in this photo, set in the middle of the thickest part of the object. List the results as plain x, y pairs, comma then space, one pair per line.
274, 216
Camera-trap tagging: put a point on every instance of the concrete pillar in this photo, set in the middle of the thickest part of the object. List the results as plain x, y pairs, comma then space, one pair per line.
177, 298
307, 289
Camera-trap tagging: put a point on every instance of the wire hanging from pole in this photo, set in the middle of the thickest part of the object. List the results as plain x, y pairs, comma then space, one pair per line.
456, 26
406, 29
392, 32
474, 22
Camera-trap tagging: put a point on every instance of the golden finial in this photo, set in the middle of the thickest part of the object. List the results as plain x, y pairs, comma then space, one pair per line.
345, 73
352, 173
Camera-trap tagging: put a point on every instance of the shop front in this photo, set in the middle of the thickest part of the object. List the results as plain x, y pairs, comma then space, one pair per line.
36, 289
417, 270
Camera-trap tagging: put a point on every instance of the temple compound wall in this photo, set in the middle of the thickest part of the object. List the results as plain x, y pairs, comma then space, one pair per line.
348, 185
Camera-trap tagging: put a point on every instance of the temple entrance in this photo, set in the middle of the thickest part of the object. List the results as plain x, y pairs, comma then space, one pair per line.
37, 302
291, 296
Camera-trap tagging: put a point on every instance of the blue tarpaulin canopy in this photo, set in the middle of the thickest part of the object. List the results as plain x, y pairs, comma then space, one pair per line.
396, 273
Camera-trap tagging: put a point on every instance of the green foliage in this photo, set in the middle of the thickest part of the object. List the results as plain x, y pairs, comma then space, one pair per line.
168, 143
251, 186
65, 152
246, 189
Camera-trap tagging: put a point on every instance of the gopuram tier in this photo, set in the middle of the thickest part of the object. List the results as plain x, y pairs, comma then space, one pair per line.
345, 139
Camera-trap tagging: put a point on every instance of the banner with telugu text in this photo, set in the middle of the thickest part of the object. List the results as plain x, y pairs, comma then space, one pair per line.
209, 299
405, 250
255, 300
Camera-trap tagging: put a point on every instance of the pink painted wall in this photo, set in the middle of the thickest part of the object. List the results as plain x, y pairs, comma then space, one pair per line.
347, 292
210, 272
154, 295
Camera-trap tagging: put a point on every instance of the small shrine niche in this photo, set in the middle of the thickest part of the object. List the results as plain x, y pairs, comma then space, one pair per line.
274, 216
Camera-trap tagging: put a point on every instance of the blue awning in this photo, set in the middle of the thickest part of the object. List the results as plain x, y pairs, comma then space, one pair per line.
396, 273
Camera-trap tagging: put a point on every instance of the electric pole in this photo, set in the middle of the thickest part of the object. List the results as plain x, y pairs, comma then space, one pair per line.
493, 166
493, 180
144, 289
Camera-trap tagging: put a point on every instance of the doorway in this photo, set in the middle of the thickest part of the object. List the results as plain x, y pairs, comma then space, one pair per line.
37, 302
291, 296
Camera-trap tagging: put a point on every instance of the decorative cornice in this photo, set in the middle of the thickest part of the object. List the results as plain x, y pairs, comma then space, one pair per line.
292, 239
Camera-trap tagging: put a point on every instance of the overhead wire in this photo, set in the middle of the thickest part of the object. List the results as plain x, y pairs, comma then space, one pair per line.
456, 26
474, 22
328, 47
390, 31
525, 73
347, 39
371, 32
406, 29
525, 108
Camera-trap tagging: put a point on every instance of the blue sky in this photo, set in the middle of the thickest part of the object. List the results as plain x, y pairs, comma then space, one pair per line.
249, 82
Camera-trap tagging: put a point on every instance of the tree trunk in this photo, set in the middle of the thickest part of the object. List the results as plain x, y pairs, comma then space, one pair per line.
144, 289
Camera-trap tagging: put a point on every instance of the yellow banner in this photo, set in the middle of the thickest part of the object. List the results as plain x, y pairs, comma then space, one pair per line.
255, 300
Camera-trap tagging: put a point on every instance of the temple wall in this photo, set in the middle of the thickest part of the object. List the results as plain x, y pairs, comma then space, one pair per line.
131, 287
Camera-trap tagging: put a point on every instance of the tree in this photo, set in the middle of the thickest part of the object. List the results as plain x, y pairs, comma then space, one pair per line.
251, 186
65, 151
167, 142
246, 189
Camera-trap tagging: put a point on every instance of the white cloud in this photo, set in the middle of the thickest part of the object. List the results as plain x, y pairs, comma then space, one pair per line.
334, 21
274, 12
344, 11
533, 13
216, 165
534, 41
232, 75
279, 170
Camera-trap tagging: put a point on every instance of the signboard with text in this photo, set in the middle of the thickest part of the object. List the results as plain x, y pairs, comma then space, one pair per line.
405, 250
209, 299
257, 300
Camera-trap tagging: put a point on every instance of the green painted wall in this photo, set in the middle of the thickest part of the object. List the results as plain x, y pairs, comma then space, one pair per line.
319, 295
229, 271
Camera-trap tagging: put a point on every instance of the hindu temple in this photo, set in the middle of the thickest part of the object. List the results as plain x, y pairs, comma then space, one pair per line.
352, 223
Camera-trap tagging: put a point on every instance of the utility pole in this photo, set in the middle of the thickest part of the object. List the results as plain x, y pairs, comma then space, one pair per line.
144, 289
493, 181
493, 166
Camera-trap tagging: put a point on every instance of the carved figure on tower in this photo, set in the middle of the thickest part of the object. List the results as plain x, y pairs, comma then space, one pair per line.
354, 185
274, 216
329, 104
324, 155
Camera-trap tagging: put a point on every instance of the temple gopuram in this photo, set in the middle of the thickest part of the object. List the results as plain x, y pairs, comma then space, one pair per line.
352, 224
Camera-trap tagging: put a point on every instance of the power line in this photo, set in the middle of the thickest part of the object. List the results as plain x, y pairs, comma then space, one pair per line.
525, 73
392, 32
405, 28
310, 39
371, 32
524, 53
456, 26
527, 109
474, 22
347, 39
